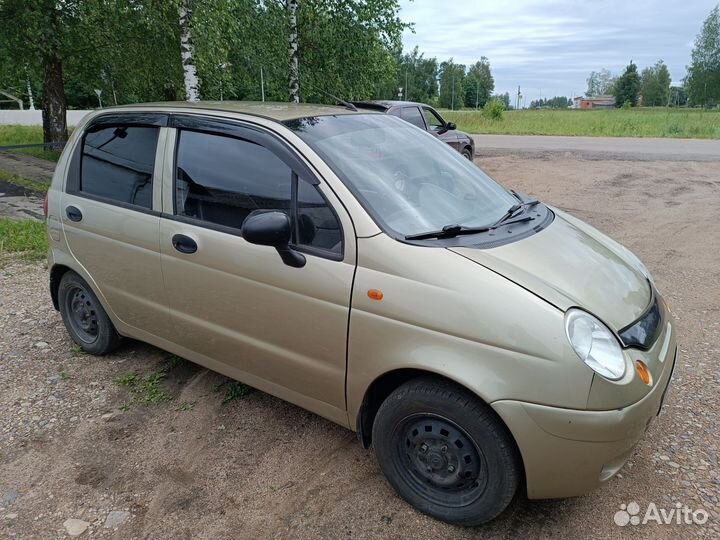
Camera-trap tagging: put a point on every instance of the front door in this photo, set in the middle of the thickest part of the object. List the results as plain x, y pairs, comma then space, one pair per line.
438, 127
237, 305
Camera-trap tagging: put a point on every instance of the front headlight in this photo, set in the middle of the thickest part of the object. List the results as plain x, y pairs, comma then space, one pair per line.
594, 344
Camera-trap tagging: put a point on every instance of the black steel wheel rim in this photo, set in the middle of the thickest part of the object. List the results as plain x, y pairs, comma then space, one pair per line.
82, 314
439, 460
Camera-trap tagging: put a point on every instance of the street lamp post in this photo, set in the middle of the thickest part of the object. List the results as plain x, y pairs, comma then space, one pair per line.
222, 67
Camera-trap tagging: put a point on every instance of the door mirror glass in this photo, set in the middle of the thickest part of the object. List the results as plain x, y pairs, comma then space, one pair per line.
273, 229
450, 126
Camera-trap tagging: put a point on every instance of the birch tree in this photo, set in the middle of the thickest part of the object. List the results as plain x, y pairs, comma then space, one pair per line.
703, 78
190, 75
294, 75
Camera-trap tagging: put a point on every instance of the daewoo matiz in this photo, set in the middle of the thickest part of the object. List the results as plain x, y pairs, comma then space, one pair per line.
481, 341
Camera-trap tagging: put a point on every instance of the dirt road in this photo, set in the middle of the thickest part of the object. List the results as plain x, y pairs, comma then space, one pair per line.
75, 444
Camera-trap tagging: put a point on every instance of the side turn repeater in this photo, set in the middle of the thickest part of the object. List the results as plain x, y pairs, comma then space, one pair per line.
375, 294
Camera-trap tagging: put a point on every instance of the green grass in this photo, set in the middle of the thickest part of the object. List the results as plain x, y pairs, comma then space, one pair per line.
186, 406
27, 238
147, 389
234, 390
28, 183
650, 122
11, 135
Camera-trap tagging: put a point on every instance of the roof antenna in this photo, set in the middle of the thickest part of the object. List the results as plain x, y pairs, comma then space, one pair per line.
342, 102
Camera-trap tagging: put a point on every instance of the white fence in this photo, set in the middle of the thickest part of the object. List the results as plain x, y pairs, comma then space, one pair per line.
34, 118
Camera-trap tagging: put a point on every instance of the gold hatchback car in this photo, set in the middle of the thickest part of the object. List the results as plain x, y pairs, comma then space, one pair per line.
481, 341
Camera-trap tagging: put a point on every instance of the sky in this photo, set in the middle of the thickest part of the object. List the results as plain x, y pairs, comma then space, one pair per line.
549, 47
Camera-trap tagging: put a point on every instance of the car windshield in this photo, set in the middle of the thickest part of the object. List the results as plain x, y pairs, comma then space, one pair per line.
407, 179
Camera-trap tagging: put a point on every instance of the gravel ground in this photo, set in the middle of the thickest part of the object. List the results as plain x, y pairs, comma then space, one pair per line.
79, 453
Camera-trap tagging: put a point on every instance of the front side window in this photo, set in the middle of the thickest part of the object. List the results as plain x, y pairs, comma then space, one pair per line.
408, 181
412, 115
222, 179
433, 120
117, 164
318, 226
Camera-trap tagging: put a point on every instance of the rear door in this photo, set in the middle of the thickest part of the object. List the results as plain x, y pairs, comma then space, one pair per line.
237, 305
111, 216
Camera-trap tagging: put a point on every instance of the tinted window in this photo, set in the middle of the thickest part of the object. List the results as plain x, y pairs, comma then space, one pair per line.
433, 120
117, 163
412, 115
317, 225
222, 179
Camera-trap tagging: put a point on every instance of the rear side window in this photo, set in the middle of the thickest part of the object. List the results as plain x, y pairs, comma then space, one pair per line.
412, 115
117, 164
222, 179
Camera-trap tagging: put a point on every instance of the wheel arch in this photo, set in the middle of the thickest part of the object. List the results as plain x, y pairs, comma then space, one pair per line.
56, 274
378, 391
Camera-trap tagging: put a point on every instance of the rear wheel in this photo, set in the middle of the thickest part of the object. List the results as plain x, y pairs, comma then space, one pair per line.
84, 317
445, 452
467, 153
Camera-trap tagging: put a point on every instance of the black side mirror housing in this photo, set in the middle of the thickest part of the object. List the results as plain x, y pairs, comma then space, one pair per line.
273, 229
450, 126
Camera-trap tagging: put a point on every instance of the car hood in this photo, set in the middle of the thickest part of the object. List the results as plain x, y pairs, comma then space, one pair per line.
568, 264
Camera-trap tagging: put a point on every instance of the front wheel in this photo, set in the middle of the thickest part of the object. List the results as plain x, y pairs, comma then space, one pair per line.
445, 452
467, 153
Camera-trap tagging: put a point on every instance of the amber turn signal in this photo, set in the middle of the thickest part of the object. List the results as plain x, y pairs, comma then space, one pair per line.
643, 371
374, 294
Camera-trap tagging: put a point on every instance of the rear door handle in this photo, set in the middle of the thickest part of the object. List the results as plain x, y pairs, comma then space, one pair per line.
184, 244
73, 213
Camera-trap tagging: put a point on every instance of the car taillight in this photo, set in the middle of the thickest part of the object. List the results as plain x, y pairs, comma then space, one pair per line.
45, 206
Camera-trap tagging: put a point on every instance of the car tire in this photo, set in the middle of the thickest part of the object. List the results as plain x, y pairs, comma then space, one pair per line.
85, 319
446, 452
467, 153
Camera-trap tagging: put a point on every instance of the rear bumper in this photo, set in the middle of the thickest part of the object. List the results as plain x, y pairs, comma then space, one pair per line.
570, 452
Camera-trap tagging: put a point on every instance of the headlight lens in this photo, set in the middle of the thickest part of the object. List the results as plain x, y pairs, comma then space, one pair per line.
594, 344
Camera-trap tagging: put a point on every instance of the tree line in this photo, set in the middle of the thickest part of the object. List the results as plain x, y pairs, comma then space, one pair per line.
78, 53
652, 86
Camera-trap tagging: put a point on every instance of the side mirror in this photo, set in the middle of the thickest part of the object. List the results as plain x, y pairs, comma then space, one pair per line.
272, 229
450, 126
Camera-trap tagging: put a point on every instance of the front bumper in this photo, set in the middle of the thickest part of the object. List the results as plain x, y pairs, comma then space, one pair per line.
570, 452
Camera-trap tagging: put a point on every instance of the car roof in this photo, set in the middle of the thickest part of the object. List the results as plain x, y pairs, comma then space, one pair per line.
385, 104
277, 111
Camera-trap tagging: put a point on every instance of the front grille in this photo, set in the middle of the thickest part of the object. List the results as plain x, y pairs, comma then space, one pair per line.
642, 333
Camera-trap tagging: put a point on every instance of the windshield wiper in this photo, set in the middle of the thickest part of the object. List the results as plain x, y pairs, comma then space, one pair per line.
450, 231
511, 213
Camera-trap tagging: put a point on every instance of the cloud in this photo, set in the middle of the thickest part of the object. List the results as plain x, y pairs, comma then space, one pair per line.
550, 47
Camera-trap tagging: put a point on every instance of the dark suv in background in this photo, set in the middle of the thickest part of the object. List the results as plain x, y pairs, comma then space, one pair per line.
427, 118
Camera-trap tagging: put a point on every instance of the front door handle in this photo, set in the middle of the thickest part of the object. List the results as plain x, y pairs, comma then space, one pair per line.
184, 244
73, 213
